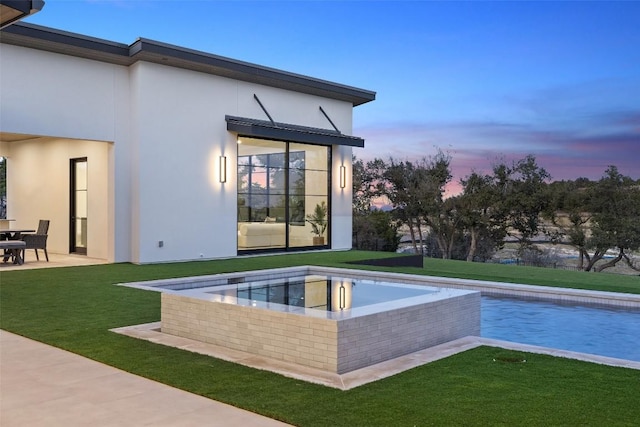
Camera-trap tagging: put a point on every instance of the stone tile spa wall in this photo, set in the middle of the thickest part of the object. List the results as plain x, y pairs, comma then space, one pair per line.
371, 339
334, 345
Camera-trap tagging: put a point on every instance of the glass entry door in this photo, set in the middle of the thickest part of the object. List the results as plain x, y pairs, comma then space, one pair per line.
78, 208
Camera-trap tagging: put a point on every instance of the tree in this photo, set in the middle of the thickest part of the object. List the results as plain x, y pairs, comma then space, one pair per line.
376, 231
480, 217
372, 229
445, 223
366, 183
401, 182
521, 198
570, 213
616, 209
596, 217
416, 192
439, 214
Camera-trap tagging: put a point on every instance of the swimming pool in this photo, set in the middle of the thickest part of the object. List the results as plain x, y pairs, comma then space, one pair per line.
604, 331
267, 322
601, 330
315, 317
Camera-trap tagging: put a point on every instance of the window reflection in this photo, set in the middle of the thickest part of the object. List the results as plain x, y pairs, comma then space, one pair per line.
279, 186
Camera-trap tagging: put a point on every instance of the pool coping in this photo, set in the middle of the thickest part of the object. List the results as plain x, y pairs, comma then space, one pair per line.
151, 332
549, 293
491, 288
429, 294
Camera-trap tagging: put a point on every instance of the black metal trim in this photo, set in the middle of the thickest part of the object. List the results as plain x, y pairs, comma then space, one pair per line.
329, 118
282, 250
38, 37
264, 109
53, 40
288, 132
72, 204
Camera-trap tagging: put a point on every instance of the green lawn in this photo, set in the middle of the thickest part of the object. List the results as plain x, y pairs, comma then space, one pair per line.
73, 308
533, 275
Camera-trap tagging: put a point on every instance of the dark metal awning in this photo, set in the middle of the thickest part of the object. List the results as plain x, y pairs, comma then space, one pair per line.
288, 132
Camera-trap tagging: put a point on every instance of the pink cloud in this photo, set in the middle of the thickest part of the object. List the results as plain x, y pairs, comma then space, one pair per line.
476, 146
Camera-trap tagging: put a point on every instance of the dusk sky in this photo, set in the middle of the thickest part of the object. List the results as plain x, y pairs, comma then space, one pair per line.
483, 81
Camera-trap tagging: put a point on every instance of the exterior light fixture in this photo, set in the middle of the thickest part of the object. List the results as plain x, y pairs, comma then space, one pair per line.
342, 296
223, 169
343, 176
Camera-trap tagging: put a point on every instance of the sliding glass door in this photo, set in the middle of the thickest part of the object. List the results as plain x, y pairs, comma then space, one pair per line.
283, 195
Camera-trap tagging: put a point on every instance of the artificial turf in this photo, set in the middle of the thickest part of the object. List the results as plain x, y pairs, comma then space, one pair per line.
73, 308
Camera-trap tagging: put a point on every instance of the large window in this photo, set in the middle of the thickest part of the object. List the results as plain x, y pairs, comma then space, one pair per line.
281, 188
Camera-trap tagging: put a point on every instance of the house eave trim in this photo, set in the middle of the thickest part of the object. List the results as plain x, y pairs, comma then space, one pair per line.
53, 40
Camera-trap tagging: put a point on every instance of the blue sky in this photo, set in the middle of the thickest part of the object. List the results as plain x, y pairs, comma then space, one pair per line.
483, 81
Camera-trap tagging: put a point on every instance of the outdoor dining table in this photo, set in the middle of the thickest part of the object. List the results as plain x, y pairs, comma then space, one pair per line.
5, 223
12, 234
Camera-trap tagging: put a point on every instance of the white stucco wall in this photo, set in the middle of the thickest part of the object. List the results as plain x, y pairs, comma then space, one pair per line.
68, 100
50, 94
180, 133
154, 135
38, 188
342, 201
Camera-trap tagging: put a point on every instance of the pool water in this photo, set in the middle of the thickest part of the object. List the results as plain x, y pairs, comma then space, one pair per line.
604, 331
326, 293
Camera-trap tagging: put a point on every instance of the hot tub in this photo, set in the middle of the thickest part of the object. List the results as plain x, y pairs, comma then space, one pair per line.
329, 319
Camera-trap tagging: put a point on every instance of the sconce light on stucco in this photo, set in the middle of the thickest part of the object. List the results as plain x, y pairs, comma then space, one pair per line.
223, 169
343, 176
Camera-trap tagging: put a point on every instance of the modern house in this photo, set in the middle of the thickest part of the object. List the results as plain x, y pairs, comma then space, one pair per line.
151, 152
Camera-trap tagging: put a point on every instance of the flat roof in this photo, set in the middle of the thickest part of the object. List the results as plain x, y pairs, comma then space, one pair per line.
63, 42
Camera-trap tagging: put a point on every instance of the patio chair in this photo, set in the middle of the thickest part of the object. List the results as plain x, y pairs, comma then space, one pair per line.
38, 240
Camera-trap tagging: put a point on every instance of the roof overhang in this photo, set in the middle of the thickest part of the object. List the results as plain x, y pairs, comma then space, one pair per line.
53, 40
287, 132
14, 10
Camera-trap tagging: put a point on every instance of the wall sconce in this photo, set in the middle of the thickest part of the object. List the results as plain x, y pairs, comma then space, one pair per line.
343, 176
223, 169
342, 296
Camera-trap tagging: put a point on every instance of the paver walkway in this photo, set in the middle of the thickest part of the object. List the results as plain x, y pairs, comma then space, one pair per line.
42, 385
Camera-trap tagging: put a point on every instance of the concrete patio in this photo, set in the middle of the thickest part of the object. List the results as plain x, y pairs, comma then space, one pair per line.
55, 260
45, 386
